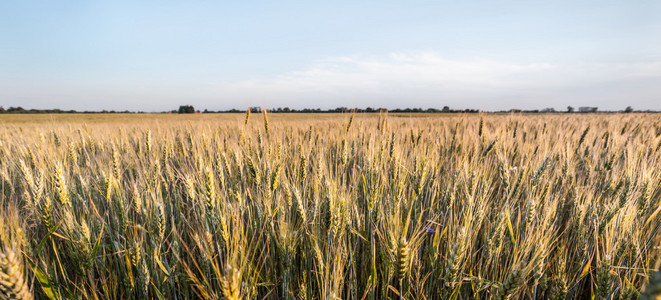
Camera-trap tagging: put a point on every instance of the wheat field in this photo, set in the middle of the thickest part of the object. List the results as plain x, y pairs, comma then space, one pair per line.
330, 206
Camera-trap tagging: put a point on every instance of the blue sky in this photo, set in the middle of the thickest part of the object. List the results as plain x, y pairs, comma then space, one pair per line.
491, 55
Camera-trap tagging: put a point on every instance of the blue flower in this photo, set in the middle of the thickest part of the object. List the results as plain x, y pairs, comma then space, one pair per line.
430, 230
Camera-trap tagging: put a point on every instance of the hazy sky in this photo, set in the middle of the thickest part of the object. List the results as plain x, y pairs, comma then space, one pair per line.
491, 55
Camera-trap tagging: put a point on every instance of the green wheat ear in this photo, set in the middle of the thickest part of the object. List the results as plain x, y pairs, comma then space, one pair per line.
512, 282
275, 177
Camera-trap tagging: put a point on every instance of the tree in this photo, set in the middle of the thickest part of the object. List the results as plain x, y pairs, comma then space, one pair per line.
628, 109
570, 109
186, 109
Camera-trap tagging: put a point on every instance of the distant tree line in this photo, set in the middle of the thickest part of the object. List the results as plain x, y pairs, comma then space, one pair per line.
335, 110
186, 109
20, 110
189, 109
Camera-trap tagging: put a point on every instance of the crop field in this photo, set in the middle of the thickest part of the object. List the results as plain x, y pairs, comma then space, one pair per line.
330, 206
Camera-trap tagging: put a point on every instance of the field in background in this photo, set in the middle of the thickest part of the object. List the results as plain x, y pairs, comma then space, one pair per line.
324, 206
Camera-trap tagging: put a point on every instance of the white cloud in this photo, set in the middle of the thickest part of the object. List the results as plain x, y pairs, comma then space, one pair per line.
396, 80
430, 80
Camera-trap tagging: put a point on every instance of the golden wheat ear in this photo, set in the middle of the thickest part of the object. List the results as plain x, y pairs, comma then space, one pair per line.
12, 271
12, 277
